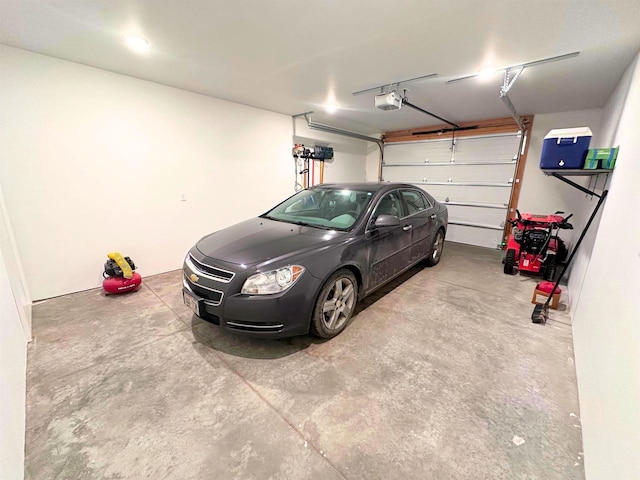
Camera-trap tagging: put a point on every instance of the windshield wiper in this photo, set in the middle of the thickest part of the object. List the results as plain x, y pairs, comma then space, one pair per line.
273, 218
303, 224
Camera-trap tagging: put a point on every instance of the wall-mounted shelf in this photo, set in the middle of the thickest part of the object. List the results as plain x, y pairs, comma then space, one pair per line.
578, 172
541, 311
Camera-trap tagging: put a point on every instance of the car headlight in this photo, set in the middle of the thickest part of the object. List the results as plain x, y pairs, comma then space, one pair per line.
275, 281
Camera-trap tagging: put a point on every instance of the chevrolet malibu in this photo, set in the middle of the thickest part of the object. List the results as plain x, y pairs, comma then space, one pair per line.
303, 265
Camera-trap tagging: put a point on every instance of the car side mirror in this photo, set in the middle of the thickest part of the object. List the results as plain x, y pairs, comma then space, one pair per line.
386, 221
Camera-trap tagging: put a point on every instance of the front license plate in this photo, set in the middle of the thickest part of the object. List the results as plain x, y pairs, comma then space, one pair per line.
191, 302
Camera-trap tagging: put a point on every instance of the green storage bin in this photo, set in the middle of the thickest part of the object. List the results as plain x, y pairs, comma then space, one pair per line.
601, 158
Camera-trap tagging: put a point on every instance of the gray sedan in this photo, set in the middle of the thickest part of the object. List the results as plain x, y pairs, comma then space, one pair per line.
303, 265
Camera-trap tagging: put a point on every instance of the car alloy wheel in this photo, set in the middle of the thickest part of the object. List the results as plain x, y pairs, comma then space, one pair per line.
436, 249
335, 304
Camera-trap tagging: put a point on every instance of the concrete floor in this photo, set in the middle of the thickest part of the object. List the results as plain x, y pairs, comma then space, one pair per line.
432, 380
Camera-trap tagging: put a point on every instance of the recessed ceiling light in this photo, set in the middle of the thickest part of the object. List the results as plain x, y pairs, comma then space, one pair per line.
138, 44
486, 72
331, 108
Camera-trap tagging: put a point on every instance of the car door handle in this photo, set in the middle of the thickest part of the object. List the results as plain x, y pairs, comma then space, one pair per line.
433, 216
406, 228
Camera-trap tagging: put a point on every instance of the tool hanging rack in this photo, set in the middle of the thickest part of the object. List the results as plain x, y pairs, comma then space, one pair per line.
309, 157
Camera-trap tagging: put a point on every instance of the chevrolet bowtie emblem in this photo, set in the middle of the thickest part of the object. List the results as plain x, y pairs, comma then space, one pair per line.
194, 278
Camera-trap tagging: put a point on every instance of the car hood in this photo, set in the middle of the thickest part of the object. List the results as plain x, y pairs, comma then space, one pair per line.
260, 239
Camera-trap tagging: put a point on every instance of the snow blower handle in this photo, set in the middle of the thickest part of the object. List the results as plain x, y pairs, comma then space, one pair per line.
565, 225
514, 221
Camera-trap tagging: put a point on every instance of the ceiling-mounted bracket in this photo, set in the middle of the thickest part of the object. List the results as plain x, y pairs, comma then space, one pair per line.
509, 80
511, 75
388, 87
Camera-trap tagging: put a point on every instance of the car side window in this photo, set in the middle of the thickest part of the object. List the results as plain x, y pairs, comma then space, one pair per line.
414, 200
427, 202
389, 205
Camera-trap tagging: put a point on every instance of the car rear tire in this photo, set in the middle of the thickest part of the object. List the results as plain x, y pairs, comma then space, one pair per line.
509, 261
335, 305
436, 250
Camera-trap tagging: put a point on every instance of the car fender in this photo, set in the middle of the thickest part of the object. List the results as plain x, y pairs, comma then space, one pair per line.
350, 254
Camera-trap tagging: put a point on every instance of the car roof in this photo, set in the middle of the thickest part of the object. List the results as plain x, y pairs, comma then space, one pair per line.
366, 186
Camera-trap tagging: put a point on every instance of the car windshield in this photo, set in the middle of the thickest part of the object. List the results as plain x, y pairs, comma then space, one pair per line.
329, 208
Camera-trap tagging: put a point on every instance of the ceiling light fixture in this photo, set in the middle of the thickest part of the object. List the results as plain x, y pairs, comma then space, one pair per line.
138, 44
486, 72
331, 108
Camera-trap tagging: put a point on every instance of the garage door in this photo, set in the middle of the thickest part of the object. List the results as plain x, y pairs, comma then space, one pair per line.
473, 177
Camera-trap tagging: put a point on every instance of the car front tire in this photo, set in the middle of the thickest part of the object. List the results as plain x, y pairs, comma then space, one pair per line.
335, 305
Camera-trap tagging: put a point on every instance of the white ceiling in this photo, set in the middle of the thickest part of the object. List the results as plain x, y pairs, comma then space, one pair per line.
291, 56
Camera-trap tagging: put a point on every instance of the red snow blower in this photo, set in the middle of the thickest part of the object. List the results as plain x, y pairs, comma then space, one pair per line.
534, 245
119, 275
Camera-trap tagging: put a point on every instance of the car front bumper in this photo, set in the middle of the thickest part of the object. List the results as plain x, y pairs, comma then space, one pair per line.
270, 316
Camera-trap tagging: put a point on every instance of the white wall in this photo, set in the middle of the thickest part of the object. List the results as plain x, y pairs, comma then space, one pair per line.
348, 163
606, 318
604, 137
544, 194
372, 165
94, 161
13, 368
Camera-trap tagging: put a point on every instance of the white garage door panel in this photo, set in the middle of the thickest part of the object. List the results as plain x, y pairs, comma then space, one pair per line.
489, 148
478, 171
442, 173
417, 152
494, 195
501, 148
487, 216
481, 237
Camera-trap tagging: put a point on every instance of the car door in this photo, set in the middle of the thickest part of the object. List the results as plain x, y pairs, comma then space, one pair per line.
388, 248
420, 215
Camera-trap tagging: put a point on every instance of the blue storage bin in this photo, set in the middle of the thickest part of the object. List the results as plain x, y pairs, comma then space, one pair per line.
565, 148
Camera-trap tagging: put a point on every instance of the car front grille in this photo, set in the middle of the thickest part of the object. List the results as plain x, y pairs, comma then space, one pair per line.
214, 273
211, 296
